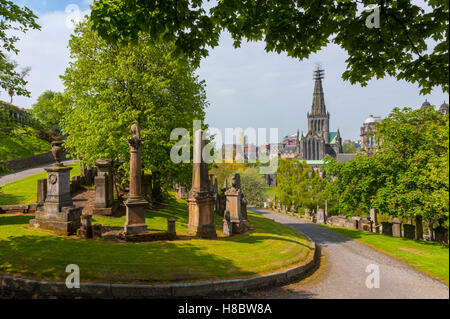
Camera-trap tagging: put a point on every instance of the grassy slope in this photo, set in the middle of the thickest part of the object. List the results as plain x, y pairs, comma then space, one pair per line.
429, 257
38, 254
24, 190
21, 144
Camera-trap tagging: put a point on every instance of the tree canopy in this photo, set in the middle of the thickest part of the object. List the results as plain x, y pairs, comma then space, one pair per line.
49, 109
410, 43
109, 86
13, 18
408, 175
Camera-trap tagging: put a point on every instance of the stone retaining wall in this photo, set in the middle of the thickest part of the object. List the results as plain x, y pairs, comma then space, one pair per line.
35, 160
12, 287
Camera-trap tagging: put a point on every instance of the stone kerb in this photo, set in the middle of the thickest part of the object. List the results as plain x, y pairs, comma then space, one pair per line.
42, 289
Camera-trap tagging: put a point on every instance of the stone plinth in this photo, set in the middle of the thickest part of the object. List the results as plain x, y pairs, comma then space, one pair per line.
58, 213
233, 205
201, 201
104, 203
135, 218
171, 230
201, 219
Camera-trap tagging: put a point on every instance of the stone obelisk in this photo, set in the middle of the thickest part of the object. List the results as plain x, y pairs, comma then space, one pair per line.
201, 200
135, 203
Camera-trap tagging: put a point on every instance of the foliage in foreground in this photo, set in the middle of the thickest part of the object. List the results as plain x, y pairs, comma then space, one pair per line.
410, 42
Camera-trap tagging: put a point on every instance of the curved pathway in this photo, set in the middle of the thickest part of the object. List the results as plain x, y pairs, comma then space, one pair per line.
5, 179
346, 262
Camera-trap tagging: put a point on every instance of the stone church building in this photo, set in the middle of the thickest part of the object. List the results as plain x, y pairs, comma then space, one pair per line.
318, 142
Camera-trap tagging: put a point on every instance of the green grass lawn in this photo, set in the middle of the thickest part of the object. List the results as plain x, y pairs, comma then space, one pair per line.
21, 144
24, 191
429, 257
40, 255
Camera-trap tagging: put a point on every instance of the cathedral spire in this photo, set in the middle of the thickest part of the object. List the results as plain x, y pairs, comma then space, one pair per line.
318, 105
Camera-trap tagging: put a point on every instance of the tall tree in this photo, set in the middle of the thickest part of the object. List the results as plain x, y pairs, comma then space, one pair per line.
13, 19
49, 109
252, 185
396, 38
109, 86
407, 176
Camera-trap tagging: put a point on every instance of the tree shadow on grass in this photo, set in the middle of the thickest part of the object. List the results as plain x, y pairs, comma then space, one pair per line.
46, 257
15, 219
11, 199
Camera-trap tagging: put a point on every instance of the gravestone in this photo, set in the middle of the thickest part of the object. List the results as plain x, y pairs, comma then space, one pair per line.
234, 197
320, 216
373, 220
86, 226
58, 212
396, 227
41, 191
409, 231
171, 231
135, 203
419, 227
227, 225
440, 234
200, 201
386, 228
351, 223
104, 203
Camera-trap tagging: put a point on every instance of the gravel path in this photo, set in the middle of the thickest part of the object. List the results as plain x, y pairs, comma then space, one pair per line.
5, 179
346, 262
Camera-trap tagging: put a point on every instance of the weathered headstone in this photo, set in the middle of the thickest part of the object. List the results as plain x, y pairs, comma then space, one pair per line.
320, 216
373, 220
135, 203
58, 213
86, 226
386, 228
234, 197
409, 231
419, 227
227, 225
97, 230
41, 191
200, 201
440, 234
396, 227
171, 231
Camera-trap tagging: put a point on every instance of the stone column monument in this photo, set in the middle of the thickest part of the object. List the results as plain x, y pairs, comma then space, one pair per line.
58, 213
135, 203
200, 201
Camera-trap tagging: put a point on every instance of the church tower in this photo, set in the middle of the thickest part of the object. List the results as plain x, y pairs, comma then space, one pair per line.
319, 118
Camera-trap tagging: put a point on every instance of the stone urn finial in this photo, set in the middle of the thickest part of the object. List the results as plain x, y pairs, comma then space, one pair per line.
57, 150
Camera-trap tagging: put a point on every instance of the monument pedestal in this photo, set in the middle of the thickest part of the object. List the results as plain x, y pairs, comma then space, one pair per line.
233, 205
58, 213
201, 219
135, 220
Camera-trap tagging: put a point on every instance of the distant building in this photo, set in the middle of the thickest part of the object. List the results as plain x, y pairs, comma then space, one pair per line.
444, 107
368, 142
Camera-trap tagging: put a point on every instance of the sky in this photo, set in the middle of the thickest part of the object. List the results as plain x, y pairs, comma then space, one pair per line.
245, 87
